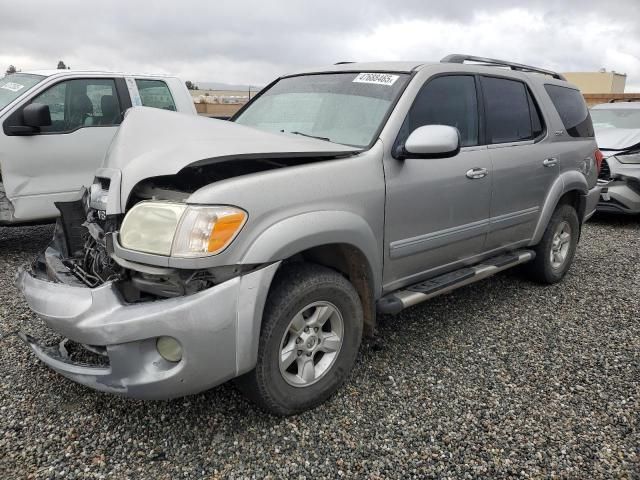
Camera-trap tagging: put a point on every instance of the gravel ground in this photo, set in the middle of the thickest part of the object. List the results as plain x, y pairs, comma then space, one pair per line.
501, 379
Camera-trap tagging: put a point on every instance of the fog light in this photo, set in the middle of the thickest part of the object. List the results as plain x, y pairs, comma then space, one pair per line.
169, 348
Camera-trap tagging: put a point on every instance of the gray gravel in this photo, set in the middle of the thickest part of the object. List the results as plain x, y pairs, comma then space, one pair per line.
501, 379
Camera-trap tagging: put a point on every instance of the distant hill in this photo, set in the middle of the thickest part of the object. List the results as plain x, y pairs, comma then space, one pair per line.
226, 86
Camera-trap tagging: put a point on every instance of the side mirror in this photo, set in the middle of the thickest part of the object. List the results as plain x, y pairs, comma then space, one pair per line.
36, 115
431, 141
29, 121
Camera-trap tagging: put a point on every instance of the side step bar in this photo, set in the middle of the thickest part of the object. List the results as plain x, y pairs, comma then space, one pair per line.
399, 300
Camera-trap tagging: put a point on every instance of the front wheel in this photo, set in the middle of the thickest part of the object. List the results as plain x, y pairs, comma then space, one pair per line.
311, 332
555, 252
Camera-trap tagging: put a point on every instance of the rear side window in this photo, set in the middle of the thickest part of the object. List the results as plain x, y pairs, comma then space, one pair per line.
511, 113
448, 100
156, 94
572, 110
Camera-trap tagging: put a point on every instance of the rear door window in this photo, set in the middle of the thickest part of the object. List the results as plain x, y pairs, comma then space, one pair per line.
156, 94
572, 110
510, 111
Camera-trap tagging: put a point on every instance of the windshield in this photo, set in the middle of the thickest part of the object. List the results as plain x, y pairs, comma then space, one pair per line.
346, 108
616, 117
12, 86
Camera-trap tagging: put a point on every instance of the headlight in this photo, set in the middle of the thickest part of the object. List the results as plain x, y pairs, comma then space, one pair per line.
630, 158
180, 230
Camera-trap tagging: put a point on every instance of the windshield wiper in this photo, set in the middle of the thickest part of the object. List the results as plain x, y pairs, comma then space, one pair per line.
326, 139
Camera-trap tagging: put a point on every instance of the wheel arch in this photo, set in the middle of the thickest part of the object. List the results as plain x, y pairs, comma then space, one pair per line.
340, 240
570, 187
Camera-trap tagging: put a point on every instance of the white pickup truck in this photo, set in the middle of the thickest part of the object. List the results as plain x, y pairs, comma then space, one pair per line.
57, 126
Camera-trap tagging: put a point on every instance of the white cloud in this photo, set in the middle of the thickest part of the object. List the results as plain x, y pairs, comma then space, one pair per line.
252, 42
582, 43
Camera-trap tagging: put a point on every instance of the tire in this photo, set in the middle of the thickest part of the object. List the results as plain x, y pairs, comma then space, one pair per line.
544, 268
307, 293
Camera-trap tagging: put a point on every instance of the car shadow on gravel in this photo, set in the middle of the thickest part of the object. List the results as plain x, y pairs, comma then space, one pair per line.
615, 220
15, 240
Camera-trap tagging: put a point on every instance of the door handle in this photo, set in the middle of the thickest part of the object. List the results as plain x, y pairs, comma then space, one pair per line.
550, 162
476, 173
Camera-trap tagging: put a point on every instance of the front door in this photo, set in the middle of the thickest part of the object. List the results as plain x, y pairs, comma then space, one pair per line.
53, 165
436, 216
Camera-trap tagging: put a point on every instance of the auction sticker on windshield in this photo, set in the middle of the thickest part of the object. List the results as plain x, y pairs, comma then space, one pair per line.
14, 87
377, 78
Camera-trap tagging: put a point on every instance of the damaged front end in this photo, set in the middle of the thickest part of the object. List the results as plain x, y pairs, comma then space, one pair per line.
146, 331
83, 247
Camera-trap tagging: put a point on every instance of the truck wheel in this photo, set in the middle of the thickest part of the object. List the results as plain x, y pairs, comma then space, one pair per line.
311, 332
554, 253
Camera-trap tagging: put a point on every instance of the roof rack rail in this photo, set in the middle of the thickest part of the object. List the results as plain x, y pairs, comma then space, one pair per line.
492, 62
632, 99
342, 63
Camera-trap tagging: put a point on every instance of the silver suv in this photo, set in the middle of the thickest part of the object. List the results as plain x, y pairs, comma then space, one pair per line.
262, 248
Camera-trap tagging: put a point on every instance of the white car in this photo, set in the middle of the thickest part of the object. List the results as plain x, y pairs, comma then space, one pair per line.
617, 128
57, 126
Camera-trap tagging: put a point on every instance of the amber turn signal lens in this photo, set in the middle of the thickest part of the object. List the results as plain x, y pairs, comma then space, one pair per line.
224, 229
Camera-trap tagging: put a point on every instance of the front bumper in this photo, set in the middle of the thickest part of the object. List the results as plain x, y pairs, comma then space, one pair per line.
591, 201
621, 190
620, 196
217, 328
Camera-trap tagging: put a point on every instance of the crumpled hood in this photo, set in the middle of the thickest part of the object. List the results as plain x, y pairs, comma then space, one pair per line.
617, 138
152, 142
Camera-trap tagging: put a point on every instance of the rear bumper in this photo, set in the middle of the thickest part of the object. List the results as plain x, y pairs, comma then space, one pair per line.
217, 329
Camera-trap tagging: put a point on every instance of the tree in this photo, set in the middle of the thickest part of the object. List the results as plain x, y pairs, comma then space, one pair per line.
11, 70
62, 66
190, 85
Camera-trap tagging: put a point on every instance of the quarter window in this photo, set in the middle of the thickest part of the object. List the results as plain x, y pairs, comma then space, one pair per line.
510, 111
81, 103
448, 100
572, 110
156, 94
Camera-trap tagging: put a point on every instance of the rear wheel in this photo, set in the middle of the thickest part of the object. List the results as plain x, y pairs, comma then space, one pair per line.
555, 252
311, 332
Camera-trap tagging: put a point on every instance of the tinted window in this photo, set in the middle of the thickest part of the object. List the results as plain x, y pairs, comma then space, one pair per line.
537, 124
572, 110
449, 100
508, 112
155, 93
81, 103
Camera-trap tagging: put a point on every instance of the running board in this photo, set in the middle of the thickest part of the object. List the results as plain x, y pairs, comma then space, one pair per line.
399, 300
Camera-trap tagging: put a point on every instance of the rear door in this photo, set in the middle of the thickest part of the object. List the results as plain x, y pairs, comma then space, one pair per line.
436, 217
155, 93
54, 164
523, 166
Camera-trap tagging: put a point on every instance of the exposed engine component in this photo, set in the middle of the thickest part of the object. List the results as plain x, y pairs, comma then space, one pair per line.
95, 267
